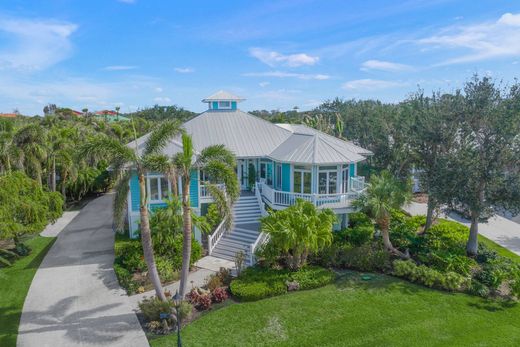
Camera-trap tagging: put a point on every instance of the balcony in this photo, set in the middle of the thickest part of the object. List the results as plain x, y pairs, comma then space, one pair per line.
279, 199
204, 194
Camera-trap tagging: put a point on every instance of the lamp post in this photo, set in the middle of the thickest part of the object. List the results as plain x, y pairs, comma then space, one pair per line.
177, 302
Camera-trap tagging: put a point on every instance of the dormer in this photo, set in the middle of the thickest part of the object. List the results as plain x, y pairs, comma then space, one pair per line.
222, 101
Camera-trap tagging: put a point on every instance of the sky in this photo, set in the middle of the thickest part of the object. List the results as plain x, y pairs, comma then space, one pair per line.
100, 54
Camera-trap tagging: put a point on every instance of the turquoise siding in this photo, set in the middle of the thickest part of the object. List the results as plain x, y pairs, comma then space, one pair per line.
215, 105
233, 105
352, 170
286, 177
194, 188
154, 207
134, 192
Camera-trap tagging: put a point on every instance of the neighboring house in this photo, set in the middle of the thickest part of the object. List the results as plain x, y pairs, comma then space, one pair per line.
8, 115
110, 116
289, 161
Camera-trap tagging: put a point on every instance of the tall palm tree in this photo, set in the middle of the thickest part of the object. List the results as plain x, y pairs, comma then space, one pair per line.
219, 164
385, 193
31, 140
142, 159
10, 154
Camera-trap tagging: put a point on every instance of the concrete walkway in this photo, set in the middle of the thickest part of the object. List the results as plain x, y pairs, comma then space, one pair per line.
503, 231
52, 230
74, 299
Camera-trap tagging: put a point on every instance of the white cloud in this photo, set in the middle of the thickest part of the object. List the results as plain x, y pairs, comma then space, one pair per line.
34, 44
273, 58
264, 84
483, 41
510, 19
162, 99
158, 89
184, 69
370, 84
282, 74
119, 67
384, 66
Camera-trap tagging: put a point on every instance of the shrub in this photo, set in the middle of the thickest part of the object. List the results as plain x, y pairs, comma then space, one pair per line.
492, 275
165, 269
369, 257
479, 289
129, 254
312, 277
453, 281
332, 256
444, 261
125, 279
219, 295
448, 236
257, 283
153, 307
428, 276
358, 218
200, 299
224, 275
213, 282
485, 254
359, 234
185, 310
404, 268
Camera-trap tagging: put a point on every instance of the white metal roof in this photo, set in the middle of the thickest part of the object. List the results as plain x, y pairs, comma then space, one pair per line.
250, 136
222, 95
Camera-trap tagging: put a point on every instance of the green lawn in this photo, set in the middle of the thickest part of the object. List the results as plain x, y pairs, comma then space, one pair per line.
383, 312
14, 284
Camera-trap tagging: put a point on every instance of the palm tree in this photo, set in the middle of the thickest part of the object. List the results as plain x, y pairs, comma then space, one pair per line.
31, 142
384, 194
143, 159
219, 164
10, 154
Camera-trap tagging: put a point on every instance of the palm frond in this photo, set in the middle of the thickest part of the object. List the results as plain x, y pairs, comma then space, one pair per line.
160, 137
103, 147
217, 152
223, 202
219, 172
156, 162
121, 199
184, 159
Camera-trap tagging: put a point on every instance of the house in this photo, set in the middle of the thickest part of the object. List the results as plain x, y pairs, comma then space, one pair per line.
8, 115
110, 116
287, 162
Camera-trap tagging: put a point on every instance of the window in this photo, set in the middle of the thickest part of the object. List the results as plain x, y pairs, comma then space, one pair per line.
278, 176
302, 180
344, 179
328, 180
224, 104
266, 172
158, 188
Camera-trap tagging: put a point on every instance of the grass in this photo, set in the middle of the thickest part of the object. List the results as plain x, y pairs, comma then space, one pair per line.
384, 311
499, 249
14, 285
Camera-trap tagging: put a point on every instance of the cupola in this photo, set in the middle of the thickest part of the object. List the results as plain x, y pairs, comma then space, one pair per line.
222, 101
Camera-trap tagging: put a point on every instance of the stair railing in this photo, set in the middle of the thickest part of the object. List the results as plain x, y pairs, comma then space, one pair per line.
214, 238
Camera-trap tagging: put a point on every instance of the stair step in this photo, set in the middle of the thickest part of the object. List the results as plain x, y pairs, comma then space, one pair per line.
245, 238
246, 221
232, 242
243, 231
230, 248
225, 252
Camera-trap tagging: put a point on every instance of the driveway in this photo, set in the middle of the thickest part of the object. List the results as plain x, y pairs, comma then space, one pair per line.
502, 230
74, 299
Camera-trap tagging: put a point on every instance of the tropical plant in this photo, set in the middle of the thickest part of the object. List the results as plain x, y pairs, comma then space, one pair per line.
384, 194
142, 159
299, 230
218, 163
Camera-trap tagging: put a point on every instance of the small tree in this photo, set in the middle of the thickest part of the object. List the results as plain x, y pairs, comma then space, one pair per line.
299, 230
384, 194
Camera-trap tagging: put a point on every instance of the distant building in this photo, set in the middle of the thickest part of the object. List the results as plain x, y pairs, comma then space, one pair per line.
110, 116
8, 115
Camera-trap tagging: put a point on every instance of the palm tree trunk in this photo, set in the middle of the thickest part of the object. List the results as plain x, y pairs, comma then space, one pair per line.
63, 186
472, 245
53, 175
146, 241
384, 224
186, 242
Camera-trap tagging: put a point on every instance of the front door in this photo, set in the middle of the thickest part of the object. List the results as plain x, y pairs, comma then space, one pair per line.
242, 173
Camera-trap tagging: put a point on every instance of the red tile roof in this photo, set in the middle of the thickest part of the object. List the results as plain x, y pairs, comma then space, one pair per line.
7, 115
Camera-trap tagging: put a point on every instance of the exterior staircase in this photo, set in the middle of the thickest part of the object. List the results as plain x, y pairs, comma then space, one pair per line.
245, 231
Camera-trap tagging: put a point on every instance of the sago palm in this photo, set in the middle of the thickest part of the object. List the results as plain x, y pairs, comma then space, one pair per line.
219, 165
142, 159
384, 194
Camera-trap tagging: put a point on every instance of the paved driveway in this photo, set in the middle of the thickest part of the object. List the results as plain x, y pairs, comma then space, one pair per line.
74, 299
503, 231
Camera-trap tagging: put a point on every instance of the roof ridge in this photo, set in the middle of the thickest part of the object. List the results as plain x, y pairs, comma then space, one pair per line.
331, 146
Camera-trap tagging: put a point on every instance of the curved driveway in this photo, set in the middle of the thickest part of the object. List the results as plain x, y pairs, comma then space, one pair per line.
74, 299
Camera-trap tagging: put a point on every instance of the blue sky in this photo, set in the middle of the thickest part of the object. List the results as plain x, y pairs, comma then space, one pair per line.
276, 54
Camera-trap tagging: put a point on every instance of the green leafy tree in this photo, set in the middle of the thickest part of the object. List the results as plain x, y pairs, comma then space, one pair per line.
31, 140
487, 161
141, 158
433, 138
299, 230
384, 194
219, 164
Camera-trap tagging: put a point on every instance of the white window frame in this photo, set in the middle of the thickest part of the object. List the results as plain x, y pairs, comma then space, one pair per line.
221, 107
159, 188
328, 172
302, 171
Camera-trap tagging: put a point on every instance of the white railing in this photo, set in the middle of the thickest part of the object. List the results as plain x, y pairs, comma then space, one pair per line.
258, 194
280, 198
204, 191
357, 183
214, 238
260, 240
